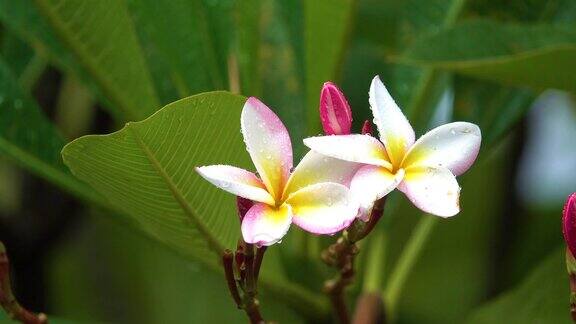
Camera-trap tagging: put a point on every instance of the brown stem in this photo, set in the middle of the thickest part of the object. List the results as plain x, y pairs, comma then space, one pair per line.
369, 309
228, 263
251, 304
258, 261
341, 255
7, 299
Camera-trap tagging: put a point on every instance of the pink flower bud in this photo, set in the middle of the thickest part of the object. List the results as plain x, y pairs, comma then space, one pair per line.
569, 223
367, 128
243, 206
335, 112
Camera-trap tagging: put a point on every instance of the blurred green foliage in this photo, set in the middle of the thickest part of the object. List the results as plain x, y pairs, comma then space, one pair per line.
490, 58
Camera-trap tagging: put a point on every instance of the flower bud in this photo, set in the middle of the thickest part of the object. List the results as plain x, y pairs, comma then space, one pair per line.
569, 223
367, 128
335, 112
243, 206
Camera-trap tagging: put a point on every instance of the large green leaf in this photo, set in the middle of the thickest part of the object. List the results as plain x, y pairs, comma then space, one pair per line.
542, 298
539, 56
101, 36
147, 171
28, 137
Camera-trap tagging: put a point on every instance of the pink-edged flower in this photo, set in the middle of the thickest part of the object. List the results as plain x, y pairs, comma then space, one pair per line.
424, 170
314, 196
335, 112
569, 223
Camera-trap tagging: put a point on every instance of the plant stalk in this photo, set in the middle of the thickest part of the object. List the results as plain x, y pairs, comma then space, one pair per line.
406, 262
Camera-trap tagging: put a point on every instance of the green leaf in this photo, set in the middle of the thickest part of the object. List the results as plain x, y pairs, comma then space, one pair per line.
147, 171
22, 18
326, 26
248, 14
495, 108
538, 56
101, 36
542, 298
28, 137
181, 40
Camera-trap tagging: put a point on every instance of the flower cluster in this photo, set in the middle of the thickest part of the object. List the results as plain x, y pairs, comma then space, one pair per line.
343, 174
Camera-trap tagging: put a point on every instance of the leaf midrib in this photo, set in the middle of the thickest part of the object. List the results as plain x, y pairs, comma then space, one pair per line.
213, 243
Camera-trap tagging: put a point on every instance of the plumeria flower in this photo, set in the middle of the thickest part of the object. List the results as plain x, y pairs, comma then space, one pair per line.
314, 196
423, 170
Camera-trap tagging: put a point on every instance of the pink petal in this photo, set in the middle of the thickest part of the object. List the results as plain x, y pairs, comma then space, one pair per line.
265, 225
323, 208
395, 130
335, 112
433, 190
236, 181
371, 183
454, 146
317, 168
569, 223
353, 148
268, 143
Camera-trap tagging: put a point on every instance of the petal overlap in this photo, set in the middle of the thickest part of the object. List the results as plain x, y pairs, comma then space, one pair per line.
372, 183
318, 168
323, 208
354, 148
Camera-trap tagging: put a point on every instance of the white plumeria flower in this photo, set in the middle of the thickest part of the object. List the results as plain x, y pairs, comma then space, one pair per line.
424, 170
314, 196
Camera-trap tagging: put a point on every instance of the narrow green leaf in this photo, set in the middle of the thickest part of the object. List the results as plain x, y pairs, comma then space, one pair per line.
247, 16
181, 39
538, 56
22, 18
147, 171
326, 26
28, 137
495, 108
101, 36
542, 298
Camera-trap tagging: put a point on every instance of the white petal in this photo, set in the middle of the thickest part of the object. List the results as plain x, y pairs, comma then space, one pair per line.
454, 146
236, 181
353, 148
395, 130
323, 208
316, 168
268, 143
265, 225
433, 190
372, 183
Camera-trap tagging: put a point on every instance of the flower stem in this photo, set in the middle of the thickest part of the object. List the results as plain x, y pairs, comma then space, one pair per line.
227, 262
7, 299
341, 255
248, 267
406, 262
